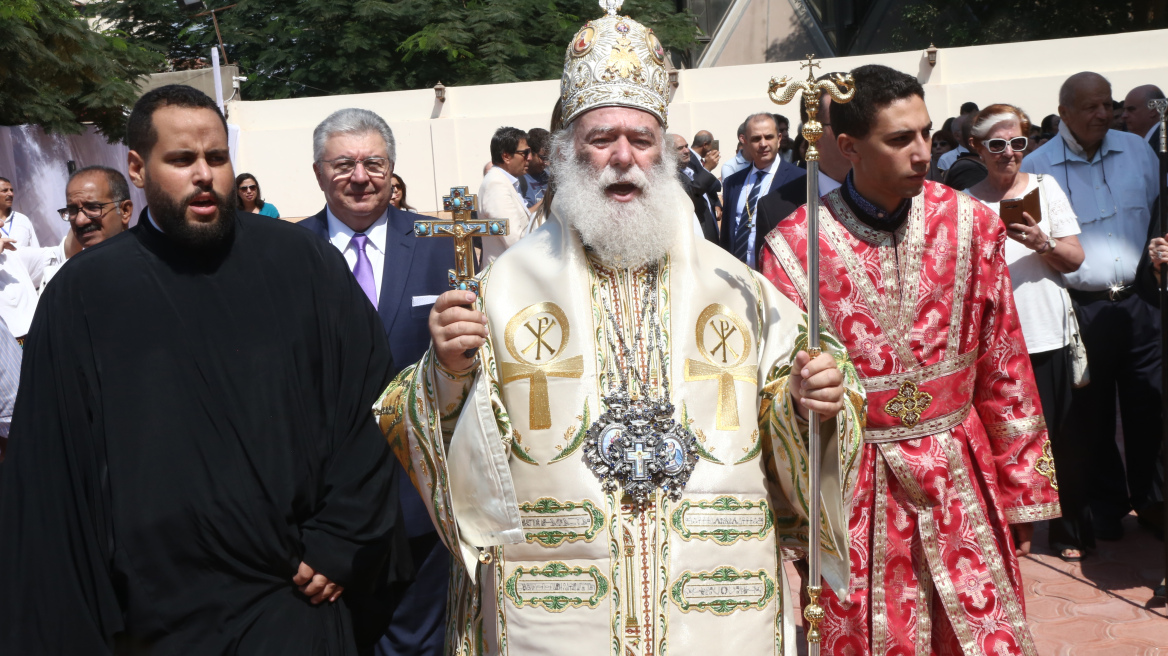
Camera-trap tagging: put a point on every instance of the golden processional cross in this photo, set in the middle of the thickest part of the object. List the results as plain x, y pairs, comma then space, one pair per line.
842, 89
463, 228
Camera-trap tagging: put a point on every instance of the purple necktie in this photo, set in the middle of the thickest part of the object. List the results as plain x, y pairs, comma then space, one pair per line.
363, 271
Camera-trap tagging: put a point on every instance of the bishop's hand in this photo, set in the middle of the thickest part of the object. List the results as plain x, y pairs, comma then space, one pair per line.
457, 329
817, 385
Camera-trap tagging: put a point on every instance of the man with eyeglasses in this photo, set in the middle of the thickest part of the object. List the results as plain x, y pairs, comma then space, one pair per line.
501, 193
402, 275
1110, 178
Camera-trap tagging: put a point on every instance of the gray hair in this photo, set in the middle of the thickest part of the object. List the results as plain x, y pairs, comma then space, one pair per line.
1069, 91
352, 121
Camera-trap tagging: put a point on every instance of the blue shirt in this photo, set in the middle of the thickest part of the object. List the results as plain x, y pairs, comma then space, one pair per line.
740, 211
10, 355
536, 186
1112, 195
269, 210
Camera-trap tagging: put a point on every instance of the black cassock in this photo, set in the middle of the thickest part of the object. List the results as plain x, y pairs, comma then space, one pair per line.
189, 429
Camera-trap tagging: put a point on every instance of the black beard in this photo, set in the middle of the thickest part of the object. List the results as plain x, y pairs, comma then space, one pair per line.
212, 237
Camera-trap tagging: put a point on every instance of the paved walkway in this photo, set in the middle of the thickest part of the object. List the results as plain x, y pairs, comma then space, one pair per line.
1100, 607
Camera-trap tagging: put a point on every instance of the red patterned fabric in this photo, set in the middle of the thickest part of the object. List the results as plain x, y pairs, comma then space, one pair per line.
933, 565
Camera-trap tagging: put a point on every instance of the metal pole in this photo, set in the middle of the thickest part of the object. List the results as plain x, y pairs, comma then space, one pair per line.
841, 91
222, 50
1162, 150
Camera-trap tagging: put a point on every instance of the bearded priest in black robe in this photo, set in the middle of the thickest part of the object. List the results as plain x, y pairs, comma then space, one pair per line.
193, 467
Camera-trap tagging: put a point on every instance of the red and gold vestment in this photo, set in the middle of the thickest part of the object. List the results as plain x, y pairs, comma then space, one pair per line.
955, 446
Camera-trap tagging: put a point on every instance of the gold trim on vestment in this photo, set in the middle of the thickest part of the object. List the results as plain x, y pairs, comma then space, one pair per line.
990, 550
964, 262
1015, 427
790, 263
920, 375
926, 526
1027, 514
880, 558
886, 320
923, 429
924, 606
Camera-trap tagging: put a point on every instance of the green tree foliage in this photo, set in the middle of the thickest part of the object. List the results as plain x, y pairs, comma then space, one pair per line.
296, 48
56, 72
952, 23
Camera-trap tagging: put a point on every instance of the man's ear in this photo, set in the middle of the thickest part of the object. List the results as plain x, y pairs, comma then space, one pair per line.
316, 171
847, 146
1062, 112
126, 207
136, 165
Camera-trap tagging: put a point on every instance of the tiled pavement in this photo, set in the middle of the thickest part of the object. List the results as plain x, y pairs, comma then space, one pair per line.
1100, 607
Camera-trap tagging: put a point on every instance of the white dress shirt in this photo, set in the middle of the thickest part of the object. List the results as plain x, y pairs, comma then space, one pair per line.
946, 160
827, 184
747, 187
19, 227
341, 236
1112, 195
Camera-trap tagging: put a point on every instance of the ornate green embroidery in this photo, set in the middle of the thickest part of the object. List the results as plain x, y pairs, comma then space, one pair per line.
556, 586
702, 452
567, 521
519, 452
723, 591
754, 451
577, 440
724, 520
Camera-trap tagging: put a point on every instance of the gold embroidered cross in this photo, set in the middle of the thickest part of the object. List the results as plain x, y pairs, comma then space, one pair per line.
909, 404
724, 324
1045, 465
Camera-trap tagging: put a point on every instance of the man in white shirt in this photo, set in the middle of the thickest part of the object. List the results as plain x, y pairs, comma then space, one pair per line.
500, 195
741, 234
22, 271
1138, 117
98, 206
1110, 179
13, 224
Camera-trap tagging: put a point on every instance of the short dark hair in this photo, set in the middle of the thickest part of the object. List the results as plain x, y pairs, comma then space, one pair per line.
702, 138
505, 141
742, 129
7, 180
538, 139
779, 118
969, 108
118, 187
876, 88
140, 133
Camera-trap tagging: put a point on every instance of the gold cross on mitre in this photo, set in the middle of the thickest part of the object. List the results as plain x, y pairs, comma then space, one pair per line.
463, 228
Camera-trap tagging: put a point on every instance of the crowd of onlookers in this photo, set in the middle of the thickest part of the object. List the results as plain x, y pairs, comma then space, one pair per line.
1084, 254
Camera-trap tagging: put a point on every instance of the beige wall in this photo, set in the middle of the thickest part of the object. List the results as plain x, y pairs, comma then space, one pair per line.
442, 145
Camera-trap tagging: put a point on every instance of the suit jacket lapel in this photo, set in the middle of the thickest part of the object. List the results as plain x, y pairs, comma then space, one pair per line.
399, 253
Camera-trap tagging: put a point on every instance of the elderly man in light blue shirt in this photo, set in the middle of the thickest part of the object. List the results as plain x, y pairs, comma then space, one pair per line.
1110, 178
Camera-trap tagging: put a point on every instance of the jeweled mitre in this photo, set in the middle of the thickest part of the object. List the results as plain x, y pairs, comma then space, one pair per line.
614, 61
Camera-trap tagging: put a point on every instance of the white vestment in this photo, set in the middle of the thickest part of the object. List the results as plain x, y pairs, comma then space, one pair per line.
548, 561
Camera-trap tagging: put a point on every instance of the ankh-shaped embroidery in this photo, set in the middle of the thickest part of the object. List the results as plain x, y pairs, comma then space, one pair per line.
909, 404
724, 324
538, 363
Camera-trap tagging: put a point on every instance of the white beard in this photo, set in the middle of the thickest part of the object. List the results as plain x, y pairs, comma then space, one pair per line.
625, 235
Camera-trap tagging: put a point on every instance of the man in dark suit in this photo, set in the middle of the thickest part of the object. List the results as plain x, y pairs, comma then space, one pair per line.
353, 153
740, 233
833, 168
1140, 119
699, 184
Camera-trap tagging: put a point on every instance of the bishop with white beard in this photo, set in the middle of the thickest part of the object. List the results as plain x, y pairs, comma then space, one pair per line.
622, 466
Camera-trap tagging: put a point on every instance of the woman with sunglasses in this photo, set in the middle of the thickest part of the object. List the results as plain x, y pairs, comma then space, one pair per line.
1037, 253
249, 199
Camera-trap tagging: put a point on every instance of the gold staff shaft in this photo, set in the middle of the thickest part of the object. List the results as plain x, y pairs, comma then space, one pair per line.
841, 88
